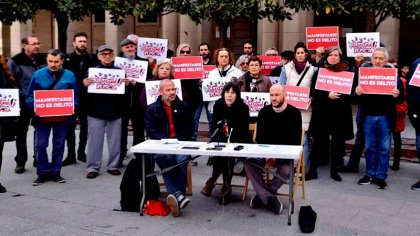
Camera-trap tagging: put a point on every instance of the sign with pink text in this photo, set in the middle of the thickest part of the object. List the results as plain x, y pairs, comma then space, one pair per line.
9, 102
152, 90
340, 82
188, 67
108, 81
415, 79
134, 69
377, 80
152, 47
361, 43
298, 96
207, 69
269, 63
255, 101
274, 79
212, 88
325, 36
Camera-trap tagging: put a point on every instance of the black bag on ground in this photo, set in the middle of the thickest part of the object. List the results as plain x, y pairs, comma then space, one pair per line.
307, 219
130, 185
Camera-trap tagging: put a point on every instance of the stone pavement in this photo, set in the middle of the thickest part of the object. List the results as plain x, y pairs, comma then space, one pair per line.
86, 207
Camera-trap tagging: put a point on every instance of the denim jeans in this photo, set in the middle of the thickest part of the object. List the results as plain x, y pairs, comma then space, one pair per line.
43, 130
175, 179
378, 146
197, 116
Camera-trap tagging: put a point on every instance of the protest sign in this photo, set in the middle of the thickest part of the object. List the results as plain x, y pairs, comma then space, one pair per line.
361, 43
54, 102
298, 96
152, 47
188, 67
212, 88
377, 80
106, 81
340, 82
255, 101
152, 90
325, 36
9, 102
134, 69
207, 69
415, 79
269, 63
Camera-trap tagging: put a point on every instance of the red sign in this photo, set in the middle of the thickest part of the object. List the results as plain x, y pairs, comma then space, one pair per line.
188, 67
298, 96
269, 63
415, 79
340, 82
321, 37
377, 80
54, 102
207, 69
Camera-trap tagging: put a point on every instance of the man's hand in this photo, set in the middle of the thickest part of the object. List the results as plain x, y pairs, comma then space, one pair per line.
395, 93
87, 82
334, 95
359, 90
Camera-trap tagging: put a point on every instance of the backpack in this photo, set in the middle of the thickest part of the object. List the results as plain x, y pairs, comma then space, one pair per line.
131, 193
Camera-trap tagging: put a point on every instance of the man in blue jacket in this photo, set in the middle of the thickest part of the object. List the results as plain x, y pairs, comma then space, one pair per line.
52, 77
169, 117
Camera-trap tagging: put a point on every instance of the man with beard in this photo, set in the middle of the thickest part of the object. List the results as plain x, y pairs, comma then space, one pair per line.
169, 117
78, 62
134, 110
277, 118
22, 66
204, 51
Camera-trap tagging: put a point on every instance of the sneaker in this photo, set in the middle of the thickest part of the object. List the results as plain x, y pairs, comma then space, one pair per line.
173, 204
40, 180
416, 186
365, 180
381, 184
255, 202
59, 179
274, 205
182, 200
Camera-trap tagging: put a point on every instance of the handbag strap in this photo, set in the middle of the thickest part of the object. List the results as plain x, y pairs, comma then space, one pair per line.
57, 78
303, 75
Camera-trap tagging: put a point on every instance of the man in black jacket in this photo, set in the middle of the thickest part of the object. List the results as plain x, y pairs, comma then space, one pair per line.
78, 62
169, 117
22, 66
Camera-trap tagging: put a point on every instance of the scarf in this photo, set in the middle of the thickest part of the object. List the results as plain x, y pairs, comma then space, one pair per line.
336, 67
299, 66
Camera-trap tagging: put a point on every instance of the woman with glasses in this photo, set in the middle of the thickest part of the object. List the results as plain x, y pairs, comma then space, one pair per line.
331, 117
253, 80
242, 63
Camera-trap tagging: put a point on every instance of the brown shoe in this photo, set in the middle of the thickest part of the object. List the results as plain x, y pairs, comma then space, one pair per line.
114, 172
208, 188
91, 175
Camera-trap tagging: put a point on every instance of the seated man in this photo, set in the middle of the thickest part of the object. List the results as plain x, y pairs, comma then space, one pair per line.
278, 123
168, 117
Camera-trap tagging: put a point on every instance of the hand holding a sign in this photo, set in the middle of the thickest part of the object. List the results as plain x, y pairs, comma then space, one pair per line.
358, 60
87, 82
395, 93
359, 90
334, 95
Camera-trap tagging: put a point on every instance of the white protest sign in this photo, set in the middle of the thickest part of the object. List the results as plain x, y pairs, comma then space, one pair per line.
152, 47
9, 102
212, 88
108, 81
255, 101
361, 43
134, 69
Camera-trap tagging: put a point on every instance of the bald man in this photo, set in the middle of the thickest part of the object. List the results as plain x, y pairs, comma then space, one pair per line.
278, 123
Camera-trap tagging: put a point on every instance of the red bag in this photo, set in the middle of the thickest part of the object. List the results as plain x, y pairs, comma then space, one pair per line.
156, 208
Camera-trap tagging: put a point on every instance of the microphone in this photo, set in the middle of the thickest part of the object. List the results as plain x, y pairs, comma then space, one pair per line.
219, 126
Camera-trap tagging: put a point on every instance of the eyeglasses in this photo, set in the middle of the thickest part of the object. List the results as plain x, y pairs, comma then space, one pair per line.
185, 52
108, 54
34, 44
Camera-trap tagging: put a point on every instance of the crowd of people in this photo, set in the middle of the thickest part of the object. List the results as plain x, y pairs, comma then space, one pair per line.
328, 122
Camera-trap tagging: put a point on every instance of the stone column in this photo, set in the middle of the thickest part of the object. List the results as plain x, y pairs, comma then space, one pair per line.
295, 30
170, 29
390, 36
114, 34
189, 33
268, 35
17, 32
